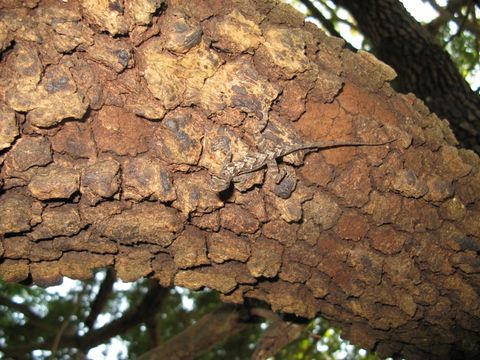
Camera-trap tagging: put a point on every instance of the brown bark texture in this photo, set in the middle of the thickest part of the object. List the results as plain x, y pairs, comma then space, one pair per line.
114, 117
423, 66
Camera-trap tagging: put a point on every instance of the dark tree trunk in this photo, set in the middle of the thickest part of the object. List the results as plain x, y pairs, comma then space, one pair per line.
423, 67
110, 143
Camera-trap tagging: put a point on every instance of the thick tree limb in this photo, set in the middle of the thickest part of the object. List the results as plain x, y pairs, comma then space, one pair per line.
115, 122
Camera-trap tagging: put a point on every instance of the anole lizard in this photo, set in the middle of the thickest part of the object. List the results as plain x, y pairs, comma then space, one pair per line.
256, 160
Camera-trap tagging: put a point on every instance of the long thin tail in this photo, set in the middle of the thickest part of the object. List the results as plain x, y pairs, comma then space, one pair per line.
333, 144
327, 144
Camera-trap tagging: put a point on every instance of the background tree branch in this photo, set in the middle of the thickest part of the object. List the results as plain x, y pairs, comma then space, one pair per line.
423, 67
198, 338
102, 297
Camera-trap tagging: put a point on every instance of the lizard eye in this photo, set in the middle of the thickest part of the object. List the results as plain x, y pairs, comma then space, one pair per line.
224, 173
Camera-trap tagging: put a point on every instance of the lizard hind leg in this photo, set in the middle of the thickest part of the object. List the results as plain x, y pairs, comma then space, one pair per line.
287, 186
276, 173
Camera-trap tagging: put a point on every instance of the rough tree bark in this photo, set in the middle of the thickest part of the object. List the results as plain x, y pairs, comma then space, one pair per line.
423, 67
113, 119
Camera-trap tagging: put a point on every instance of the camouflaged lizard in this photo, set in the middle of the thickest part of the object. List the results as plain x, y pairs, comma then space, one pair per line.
257, 160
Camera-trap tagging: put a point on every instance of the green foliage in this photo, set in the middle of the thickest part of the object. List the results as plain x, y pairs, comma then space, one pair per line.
180, 309
49, 312
320, 341
463, 48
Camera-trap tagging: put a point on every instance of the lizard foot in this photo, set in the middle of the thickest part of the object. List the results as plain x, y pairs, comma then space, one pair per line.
286, 186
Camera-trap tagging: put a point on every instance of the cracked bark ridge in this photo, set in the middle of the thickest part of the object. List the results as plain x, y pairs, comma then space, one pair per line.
112, 122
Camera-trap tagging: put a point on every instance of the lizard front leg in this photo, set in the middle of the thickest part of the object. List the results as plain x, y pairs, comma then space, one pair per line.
222, 181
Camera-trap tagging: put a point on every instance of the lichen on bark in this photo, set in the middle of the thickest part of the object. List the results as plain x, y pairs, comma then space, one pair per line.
110, 136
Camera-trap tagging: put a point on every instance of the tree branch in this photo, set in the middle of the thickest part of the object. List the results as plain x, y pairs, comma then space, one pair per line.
464, 23
102, 297
150, 305
319, 16
56, 343
448, 13
211, 329
279, 334
34, 319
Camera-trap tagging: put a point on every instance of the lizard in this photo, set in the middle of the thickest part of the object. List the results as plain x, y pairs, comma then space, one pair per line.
255, 161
